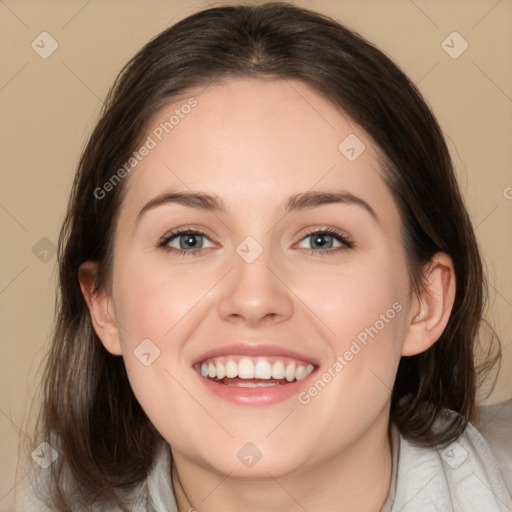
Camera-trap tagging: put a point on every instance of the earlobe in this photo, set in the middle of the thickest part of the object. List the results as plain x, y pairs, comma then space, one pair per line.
100, 308
433, 306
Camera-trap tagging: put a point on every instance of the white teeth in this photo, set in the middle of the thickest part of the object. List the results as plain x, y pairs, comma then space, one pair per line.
278, 370
290, 372
252, 385
247, 369
262, 370
231, 369
302, 372
221, 371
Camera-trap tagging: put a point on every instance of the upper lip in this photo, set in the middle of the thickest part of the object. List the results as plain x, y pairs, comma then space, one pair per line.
254, 350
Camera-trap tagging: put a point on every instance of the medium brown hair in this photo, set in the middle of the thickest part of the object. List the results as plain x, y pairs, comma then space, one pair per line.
89, 412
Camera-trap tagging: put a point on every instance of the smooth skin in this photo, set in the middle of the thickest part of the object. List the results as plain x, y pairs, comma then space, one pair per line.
254, 143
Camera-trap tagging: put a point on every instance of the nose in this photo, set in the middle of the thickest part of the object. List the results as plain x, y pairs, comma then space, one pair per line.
255, 293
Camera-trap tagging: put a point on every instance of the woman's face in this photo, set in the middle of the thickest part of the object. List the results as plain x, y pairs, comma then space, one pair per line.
260, 287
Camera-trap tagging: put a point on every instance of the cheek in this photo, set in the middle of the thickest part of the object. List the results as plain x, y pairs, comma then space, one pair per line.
366, 295
355, 385
154, 309
158, 309
363, 313
153, 299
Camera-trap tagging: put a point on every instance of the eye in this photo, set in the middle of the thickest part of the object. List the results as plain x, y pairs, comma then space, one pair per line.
326, 241
185, 241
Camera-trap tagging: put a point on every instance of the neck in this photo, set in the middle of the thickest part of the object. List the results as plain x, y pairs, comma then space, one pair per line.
358, 478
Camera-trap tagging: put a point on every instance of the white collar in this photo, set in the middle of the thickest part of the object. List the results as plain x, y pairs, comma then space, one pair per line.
462, 477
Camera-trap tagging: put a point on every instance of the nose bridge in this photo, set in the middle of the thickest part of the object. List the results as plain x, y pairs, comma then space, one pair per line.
253, 291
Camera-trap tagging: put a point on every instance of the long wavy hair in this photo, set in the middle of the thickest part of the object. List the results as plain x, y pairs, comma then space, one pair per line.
89, 414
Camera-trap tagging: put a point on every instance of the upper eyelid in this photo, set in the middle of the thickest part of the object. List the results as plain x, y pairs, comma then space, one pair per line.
328, 230
186, 229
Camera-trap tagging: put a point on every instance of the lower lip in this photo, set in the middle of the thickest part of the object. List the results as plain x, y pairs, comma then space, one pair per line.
268, 395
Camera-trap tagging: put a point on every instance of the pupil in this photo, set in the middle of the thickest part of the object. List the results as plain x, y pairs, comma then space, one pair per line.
320, 241
190, 241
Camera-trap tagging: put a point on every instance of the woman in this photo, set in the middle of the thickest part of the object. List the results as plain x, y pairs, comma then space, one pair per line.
270, 289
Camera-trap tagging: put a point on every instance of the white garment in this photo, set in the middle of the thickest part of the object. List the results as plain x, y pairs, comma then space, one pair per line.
467, 475
471, 474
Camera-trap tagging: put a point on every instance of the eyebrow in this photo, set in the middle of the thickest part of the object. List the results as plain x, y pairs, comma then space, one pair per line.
212, 202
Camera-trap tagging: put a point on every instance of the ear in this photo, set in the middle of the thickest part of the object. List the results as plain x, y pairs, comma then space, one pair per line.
431, 309
100, 308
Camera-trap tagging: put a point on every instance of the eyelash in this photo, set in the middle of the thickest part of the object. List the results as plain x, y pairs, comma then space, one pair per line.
337, 235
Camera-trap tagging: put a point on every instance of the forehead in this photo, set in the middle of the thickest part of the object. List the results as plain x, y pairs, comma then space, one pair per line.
255, 141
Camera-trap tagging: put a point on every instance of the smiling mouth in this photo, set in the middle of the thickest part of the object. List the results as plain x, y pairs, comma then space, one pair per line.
254, 372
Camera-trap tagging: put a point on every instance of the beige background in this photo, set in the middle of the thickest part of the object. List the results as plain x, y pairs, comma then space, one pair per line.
49, 106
